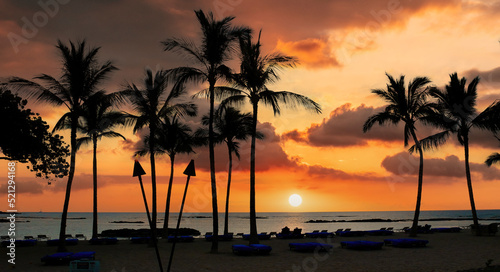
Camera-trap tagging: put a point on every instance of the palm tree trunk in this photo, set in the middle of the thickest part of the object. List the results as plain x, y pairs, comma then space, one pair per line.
71, 174
152, 132
215, 211
414, 227
226, 219
253, 216
169, 193
469, 186
94, 170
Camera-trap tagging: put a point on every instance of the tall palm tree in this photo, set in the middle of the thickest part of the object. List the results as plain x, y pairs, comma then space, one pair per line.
407, 106
152, 103
256, 72
217, 45
98, 121
455, 113
80, 78
230, 127
172, 138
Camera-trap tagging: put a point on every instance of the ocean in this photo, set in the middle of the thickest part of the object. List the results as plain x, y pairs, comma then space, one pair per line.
48, 223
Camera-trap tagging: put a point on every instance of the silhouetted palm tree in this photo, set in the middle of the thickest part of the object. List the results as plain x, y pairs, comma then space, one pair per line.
172, 138
80, 78
152, 103
407, 106
230, 127
98, 121
455, 113
217, 42
256, 72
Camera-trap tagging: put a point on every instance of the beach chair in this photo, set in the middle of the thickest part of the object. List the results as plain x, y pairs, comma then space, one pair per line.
314, 234
29, 237
41, 237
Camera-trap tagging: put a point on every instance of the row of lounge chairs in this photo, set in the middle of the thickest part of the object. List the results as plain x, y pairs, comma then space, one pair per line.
42, 237
259, 249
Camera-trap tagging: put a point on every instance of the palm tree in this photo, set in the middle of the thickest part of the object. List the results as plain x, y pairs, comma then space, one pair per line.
256, 72
80, 78
98, 121
217, 45
407, 106
230, 127
152, 103
172, 138
455, 113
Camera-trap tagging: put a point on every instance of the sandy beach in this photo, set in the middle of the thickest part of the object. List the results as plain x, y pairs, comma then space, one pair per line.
445, 252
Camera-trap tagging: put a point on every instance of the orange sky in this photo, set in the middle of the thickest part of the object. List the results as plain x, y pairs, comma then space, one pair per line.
344, 48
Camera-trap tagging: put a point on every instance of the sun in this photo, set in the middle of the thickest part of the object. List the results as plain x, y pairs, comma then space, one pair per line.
295, 200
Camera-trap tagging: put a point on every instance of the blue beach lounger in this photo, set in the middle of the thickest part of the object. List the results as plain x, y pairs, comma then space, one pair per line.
406, 242
309, 247
361, 245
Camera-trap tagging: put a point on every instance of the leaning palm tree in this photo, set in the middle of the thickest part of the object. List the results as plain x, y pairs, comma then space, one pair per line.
80, 78
172, 138
256, 72
407, 106
218, 39
152, 103
98, 121
230, 127
455, 113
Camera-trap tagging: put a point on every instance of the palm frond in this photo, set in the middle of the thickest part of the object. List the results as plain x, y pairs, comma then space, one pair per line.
493, 158
288, 99
381, 118
433, 141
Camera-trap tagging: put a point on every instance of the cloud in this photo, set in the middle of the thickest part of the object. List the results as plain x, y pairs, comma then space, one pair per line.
268, 152
311, 52
404, 164
344, 128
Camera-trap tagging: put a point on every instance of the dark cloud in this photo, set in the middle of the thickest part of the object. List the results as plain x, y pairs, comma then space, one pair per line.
344, 127
268, 152
404, 164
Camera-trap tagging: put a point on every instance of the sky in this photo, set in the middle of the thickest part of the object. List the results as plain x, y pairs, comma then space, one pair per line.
344, 47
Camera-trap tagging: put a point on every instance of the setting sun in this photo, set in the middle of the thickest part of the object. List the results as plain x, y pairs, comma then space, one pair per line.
295, 200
